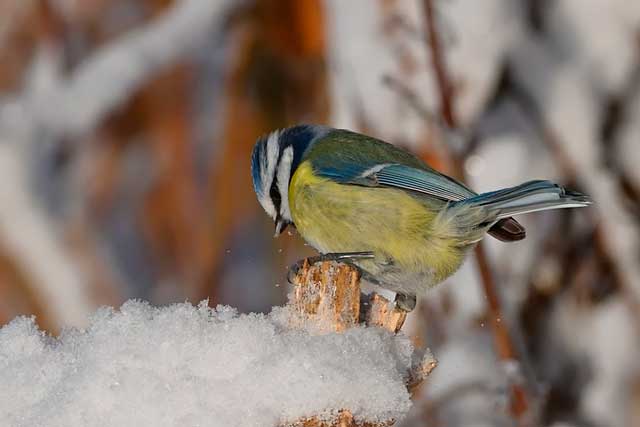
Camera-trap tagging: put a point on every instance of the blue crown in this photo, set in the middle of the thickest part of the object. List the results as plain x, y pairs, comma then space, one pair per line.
299, 137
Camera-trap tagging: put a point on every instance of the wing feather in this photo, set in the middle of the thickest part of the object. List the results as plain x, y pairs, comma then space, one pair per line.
404, 177
350, 158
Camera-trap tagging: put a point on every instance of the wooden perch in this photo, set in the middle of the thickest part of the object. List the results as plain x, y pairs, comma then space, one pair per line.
328, 293
421, 370
383, 313
344, 419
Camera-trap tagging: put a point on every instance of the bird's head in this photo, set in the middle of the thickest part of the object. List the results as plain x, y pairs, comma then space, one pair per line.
274, 160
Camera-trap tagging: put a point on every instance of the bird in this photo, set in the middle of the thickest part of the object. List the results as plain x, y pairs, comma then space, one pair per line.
361, 200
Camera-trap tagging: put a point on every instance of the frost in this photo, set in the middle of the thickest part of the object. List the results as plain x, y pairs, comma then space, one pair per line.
183, 365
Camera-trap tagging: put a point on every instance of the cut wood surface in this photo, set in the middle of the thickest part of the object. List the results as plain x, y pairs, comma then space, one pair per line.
329, 293
384, 313
344, 419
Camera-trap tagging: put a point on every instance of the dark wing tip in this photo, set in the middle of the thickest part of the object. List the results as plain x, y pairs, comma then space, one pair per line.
577, 197
508, 230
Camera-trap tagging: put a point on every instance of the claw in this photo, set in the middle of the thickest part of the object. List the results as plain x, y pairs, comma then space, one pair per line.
347, 257
405, 302
295, 268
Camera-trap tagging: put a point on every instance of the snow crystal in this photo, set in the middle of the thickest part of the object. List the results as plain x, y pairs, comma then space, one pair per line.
183, 365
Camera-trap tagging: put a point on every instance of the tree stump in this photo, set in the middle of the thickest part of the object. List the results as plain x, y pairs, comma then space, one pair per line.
328, 293
344, 419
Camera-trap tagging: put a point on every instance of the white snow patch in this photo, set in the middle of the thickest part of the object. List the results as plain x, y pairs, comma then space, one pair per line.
598, 36
614, 359
469, 387
184, 365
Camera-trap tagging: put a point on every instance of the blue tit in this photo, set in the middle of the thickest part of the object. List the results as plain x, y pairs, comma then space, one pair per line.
406, 226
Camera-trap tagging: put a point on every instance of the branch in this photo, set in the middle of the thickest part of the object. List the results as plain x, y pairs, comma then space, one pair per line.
505, 347
616, 115
571, 174
27, 236
412, 99
51, 107
75, 105
327, 297
440, 68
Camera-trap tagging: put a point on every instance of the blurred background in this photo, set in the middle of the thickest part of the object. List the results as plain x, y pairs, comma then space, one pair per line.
126, 128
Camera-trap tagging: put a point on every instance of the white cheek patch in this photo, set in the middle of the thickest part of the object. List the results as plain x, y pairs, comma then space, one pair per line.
284, 174
267, 205
267, 172
271, 153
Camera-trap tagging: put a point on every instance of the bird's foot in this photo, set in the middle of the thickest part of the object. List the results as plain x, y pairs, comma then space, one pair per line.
346, 257
405, 302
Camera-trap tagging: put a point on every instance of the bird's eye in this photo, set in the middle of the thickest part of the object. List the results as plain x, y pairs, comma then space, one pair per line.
275, 196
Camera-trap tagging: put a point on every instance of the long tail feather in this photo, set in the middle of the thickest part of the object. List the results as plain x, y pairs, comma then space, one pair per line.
531, 196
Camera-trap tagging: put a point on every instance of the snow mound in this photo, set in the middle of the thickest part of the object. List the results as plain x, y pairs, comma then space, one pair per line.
186, 365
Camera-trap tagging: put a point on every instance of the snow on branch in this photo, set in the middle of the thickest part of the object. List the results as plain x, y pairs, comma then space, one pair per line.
75, 105
52, 105
184, 365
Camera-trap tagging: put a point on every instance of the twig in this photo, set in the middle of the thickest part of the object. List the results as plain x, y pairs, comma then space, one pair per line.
437, 58
616, 114
571, 175
421, 370
49, 107
110, 76
411, 97
505, 347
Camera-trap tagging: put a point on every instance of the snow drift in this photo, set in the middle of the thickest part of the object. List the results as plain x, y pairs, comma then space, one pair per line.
192, 365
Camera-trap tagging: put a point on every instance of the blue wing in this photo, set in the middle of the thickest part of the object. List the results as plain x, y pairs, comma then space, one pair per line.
428, 182
350, 158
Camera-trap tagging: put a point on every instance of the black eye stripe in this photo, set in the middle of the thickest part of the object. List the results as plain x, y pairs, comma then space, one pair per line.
274, 194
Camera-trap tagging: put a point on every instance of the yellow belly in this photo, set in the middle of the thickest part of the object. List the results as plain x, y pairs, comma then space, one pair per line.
403, 231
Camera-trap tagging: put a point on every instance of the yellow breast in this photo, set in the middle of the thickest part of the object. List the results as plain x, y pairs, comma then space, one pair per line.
396, 226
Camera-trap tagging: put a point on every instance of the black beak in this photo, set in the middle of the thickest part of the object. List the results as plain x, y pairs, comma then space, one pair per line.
281, 225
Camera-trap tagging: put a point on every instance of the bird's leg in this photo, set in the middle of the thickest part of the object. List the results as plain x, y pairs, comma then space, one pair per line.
343, 256
346, 257
405, 302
